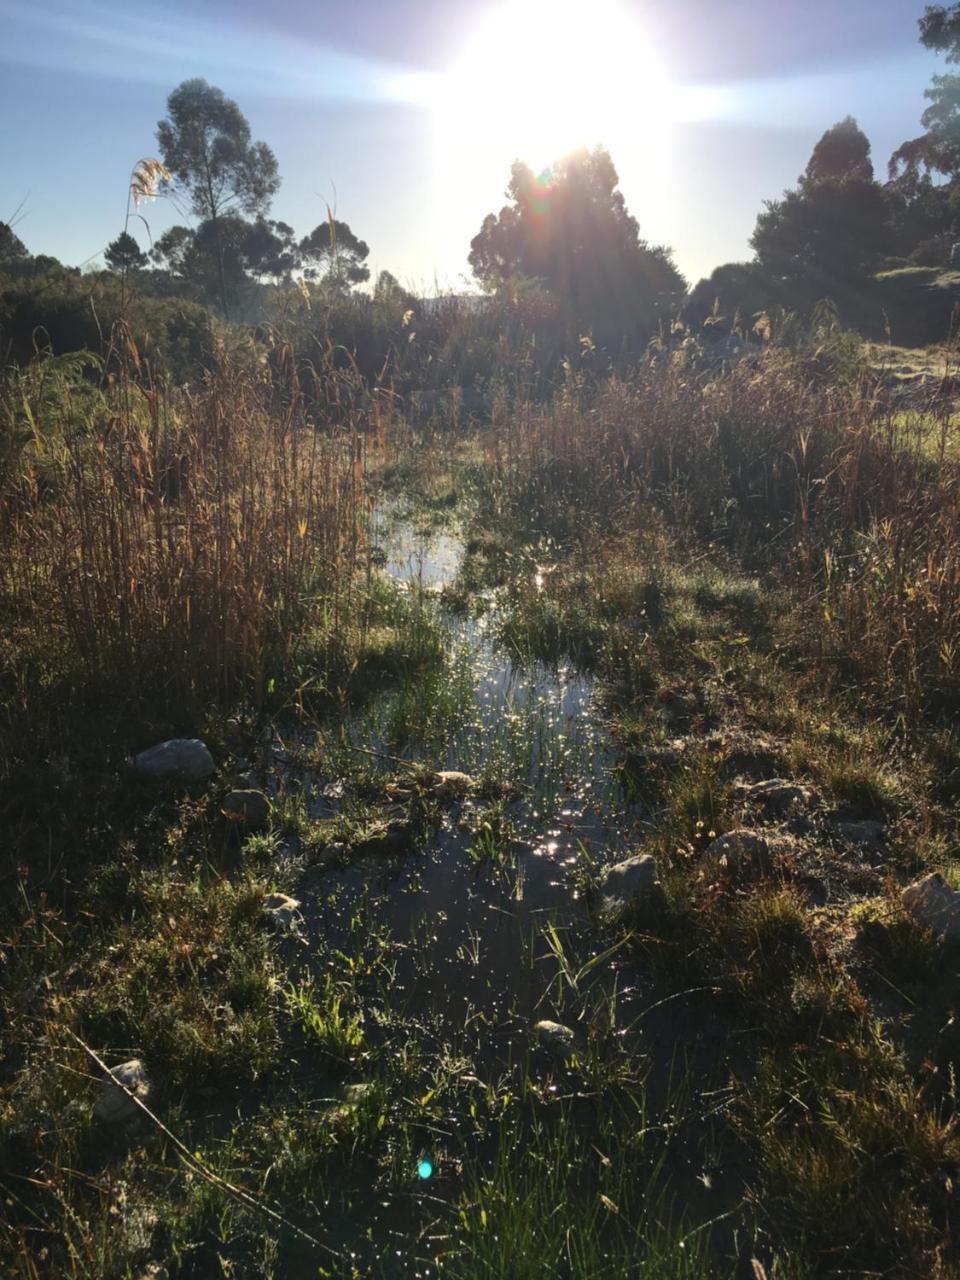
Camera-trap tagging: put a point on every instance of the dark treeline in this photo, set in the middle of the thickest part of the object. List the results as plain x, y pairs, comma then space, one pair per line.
565, 272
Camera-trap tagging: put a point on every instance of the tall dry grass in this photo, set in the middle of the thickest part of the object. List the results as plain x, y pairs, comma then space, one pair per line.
166, 543
818, 481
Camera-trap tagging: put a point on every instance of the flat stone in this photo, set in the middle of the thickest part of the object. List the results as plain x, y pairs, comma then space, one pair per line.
868, 833
252, 808
283, 909
554, 1036
176, 760
741, 852
778, 795
114, 1106
631, 879
934, 903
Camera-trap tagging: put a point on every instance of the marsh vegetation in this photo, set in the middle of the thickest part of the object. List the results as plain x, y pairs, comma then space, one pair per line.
480, 776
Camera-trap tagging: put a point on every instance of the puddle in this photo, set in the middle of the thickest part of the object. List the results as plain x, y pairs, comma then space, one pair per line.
463, 962
468, 933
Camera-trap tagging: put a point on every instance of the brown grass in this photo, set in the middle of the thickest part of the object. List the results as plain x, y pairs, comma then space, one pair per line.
174, 531
847, 500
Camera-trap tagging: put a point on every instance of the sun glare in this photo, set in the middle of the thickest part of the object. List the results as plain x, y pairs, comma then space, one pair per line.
542, 77
537, 79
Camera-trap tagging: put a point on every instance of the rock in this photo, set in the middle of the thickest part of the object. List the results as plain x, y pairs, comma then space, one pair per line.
779, 796
252, 808
631, 879
554, 1036
388, 837
114, 1105
741, 853
868, 833
177, 760
934, 903
451, 784
283, 909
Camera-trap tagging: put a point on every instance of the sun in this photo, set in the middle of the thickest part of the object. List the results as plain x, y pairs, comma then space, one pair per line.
539, 78
534, 80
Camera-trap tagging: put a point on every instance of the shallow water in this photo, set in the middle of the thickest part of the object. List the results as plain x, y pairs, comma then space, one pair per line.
469, 933
467, 965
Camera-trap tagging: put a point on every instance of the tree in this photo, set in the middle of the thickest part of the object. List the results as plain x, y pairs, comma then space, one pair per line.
205, 143
731, 297
270, 249
828, 234
390, 292
842, 153
12, 248
124, 254
569, 228
207, 261
338, 254
938, 149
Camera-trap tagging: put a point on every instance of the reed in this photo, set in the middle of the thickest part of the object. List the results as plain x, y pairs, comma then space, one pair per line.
165, 546
815, 481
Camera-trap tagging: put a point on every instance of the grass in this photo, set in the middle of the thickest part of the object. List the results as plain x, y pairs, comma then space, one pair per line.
746, 577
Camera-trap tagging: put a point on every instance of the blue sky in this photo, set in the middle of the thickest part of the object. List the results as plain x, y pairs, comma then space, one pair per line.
347, 96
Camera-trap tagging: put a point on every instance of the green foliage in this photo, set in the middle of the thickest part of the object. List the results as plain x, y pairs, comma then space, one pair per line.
938, 149
64, 312
824, 236
841, 154
124, 254
335, 255
12, 248
205, 143
569, 228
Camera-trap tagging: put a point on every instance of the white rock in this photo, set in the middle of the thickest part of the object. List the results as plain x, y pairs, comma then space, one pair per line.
451, 784
283, 909
934, 903
631, 879
554, 1036
178, 759
114, 1105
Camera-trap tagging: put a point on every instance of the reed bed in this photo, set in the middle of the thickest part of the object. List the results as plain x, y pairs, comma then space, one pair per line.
817, 482
164, 547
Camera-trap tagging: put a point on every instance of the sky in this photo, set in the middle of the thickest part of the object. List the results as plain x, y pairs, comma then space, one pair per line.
405, 115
